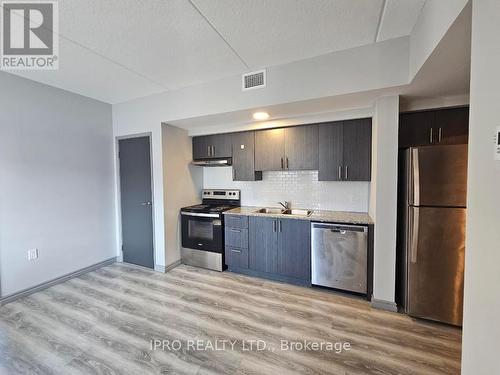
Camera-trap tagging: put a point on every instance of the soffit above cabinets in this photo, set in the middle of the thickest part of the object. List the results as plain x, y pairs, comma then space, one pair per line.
118, 50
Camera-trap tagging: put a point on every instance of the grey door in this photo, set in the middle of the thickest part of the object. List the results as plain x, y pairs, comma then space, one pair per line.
269, 150
136, 201
357, 150
294, 248
331, 152
436, 250
263, 244
301, 148
438, 176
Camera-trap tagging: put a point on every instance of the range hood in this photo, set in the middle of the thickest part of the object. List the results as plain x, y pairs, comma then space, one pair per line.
223, 162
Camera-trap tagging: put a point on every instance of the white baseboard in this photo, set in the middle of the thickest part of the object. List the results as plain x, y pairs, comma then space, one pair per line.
165, 269
48, 284
384, 305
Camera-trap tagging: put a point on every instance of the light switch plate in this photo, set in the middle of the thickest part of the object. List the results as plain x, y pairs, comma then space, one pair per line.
32, 254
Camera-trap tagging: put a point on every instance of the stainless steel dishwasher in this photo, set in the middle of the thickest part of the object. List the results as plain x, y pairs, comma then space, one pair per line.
339, 256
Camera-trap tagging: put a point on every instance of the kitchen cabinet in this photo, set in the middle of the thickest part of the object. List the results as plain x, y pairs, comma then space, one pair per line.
280, 247
331, 151
236, 241
243, 151
301, 148
294, 148
453, 126
294, 248
263, 244
436, 127
269, 150
212, 146
345, 149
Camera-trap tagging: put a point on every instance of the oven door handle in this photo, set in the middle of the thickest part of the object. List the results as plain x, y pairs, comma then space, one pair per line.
199, 214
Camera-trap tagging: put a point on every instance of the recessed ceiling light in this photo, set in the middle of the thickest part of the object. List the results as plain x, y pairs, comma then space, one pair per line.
260, 116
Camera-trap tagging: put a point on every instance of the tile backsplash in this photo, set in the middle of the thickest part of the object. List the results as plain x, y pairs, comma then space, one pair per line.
301, 188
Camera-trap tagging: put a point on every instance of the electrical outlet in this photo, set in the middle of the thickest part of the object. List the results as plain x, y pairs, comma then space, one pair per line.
32, 254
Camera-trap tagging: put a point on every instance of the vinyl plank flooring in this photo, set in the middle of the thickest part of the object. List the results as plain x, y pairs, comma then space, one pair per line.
104, 322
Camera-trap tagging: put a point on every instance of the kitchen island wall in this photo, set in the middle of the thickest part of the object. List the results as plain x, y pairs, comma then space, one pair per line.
301, 188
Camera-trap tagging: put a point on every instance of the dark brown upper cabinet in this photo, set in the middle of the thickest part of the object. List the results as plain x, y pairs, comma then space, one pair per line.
212, 146
269, 150
436, 127
294, 148
243, 145
453, 126
345, 149
301, 148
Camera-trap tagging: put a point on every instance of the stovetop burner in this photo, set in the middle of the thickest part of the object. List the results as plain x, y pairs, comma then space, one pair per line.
215, 202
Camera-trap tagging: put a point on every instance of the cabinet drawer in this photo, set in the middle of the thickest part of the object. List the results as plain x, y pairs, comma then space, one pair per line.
236, 221
237, 238
236, 257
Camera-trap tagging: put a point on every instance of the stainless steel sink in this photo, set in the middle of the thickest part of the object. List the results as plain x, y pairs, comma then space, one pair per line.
270, 210
298, 212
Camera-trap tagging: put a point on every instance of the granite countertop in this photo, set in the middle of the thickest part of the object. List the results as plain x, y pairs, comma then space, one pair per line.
317, 215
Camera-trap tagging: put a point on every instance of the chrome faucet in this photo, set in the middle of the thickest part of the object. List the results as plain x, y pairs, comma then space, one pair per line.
286, 205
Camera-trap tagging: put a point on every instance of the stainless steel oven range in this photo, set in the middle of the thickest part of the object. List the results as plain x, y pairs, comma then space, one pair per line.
203, 229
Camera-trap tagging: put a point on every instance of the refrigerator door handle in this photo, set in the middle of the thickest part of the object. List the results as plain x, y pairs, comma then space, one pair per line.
415, 221
415, 177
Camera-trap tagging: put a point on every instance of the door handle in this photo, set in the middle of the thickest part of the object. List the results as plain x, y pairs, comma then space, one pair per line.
145, 203
414, 234
346, 173
340, 173
431, 136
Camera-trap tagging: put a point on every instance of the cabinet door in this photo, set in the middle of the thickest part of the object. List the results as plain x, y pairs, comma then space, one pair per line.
452, 126
244, 157
263, 244
331, 151
221, 145
301, 148
269, 150
416, 129
357, 150
294, 248
201, 148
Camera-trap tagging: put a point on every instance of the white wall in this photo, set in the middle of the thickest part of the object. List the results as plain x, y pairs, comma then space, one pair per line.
301, 188
434, 20
481, 329
182, 186
383, 204
56, 183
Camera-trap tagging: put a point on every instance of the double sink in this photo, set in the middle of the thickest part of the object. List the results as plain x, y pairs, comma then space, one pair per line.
279, 211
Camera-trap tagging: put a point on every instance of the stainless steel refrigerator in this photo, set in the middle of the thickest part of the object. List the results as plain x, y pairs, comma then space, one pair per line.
434, 231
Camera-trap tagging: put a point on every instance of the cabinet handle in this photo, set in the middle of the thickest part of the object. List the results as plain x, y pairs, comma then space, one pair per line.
274, 226
340, 173
279, 226
208, 150
431, 137
282, 167
287, 162
236, 230
346, 173
235, 251
213, 150
440, 131
234, 174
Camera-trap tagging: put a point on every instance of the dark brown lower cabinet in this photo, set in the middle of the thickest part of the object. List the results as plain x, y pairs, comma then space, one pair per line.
280, 247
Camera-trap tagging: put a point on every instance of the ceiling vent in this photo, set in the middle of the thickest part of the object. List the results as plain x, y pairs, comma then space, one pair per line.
254, 80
